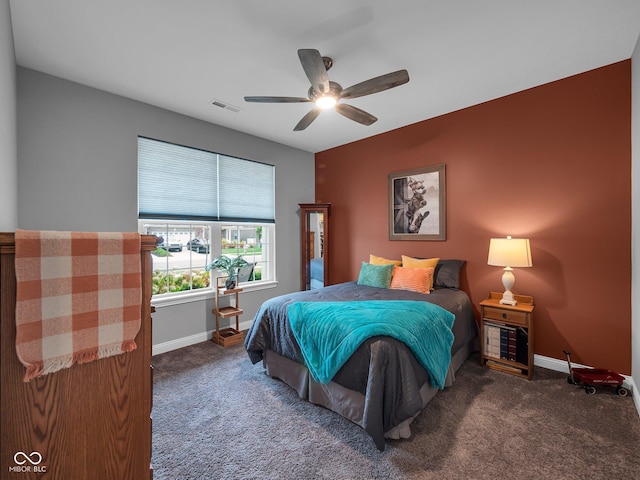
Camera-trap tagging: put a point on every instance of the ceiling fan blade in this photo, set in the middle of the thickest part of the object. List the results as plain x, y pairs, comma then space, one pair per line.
377, 84
276, 99
307, 119
355, 114
313, 66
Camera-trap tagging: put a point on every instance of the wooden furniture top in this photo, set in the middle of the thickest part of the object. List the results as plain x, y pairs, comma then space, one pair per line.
8, 241
525, 302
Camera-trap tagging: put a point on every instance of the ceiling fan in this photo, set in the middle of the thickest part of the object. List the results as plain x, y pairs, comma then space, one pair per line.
326, 94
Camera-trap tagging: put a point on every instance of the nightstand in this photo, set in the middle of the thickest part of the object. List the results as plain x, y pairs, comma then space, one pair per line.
506, 334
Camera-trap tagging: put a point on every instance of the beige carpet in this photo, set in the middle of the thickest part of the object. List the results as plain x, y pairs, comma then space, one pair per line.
215, 415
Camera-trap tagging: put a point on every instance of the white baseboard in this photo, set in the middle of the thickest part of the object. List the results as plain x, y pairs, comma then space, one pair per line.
180, 343
190, 340
562, 366
554, 364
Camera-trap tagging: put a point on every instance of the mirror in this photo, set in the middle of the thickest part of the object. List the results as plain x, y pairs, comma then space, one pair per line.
314, 245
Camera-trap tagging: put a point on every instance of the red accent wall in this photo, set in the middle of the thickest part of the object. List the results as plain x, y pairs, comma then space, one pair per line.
553, 164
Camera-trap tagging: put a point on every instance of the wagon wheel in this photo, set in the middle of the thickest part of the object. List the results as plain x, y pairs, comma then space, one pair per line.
590, 389
623, 392
571, 380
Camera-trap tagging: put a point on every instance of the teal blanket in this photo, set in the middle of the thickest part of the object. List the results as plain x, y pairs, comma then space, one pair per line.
330, 332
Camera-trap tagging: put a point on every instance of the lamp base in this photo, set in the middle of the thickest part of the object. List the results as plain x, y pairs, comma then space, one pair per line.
507, 299
508, 279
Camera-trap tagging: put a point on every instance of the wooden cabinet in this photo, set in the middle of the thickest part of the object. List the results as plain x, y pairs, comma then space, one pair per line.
314, 245
507, 335
227, 336
90, 421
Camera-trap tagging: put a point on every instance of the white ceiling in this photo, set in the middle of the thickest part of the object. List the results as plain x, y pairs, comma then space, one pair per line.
181, 55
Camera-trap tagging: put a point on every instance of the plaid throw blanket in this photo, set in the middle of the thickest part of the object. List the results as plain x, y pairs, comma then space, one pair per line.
78, 297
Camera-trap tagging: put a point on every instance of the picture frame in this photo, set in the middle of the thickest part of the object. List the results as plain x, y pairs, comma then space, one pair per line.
417, 204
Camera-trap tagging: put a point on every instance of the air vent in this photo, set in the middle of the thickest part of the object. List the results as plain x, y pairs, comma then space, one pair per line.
227, 106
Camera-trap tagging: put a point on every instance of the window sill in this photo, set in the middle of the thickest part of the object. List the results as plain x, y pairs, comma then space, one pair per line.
167, 300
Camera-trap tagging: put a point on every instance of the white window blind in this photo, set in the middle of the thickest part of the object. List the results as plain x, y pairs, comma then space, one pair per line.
184, 183
246, 190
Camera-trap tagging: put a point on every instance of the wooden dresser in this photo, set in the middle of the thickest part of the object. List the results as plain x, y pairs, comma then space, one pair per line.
90, 421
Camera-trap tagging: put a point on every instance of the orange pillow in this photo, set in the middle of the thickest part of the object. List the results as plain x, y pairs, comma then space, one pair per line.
375, 260
414, 279
410, 262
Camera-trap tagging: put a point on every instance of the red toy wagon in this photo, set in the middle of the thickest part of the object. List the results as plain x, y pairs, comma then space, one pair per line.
590, 377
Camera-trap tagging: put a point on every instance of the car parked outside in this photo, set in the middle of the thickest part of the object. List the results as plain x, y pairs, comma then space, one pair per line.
171, 247
198, 245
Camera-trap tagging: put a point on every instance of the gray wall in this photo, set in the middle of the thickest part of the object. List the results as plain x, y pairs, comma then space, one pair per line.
635, 222
8, 145
77, 170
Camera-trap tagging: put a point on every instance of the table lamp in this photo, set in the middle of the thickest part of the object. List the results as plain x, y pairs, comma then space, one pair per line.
509, 252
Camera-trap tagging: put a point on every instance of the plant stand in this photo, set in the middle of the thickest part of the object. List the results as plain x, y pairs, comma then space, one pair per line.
227, 336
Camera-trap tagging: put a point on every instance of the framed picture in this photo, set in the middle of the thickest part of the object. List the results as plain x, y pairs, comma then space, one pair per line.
417, 204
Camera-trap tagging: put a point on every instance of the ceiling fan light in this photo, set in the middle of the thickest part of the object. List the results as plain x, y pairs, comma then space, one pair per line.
326, 101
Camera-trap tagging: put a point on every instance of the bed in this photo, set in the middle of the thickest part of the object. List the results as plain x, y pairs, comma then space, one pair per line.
382, 387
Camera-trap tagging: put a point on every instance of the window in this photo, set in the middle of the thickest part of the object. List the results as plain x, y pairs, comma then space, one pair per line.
251, 242
202, 205
179, 261
186, 249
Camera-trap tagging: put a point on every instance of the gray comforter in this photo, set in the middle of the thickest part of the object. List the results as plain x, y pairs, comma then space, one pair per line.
383, 369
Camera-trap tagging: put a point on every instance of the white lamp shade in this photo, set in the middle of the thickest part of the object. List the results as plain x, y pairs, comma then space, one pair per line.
510, 252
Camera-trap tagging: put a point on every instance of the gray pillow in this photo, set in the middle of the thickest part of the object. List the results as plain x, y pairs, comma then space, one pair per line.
447, 274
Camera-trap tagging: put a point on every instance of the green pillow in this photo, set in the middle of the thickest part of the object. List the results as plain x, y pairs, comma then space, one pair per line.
375, 275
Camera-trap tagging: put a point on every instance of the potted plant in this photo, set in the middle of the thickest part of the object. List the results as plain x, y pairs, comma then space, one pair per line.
229, 266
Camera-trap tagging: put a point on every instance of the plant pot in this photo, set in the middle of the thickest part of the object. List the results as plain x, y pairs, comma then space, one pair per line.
230, 283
